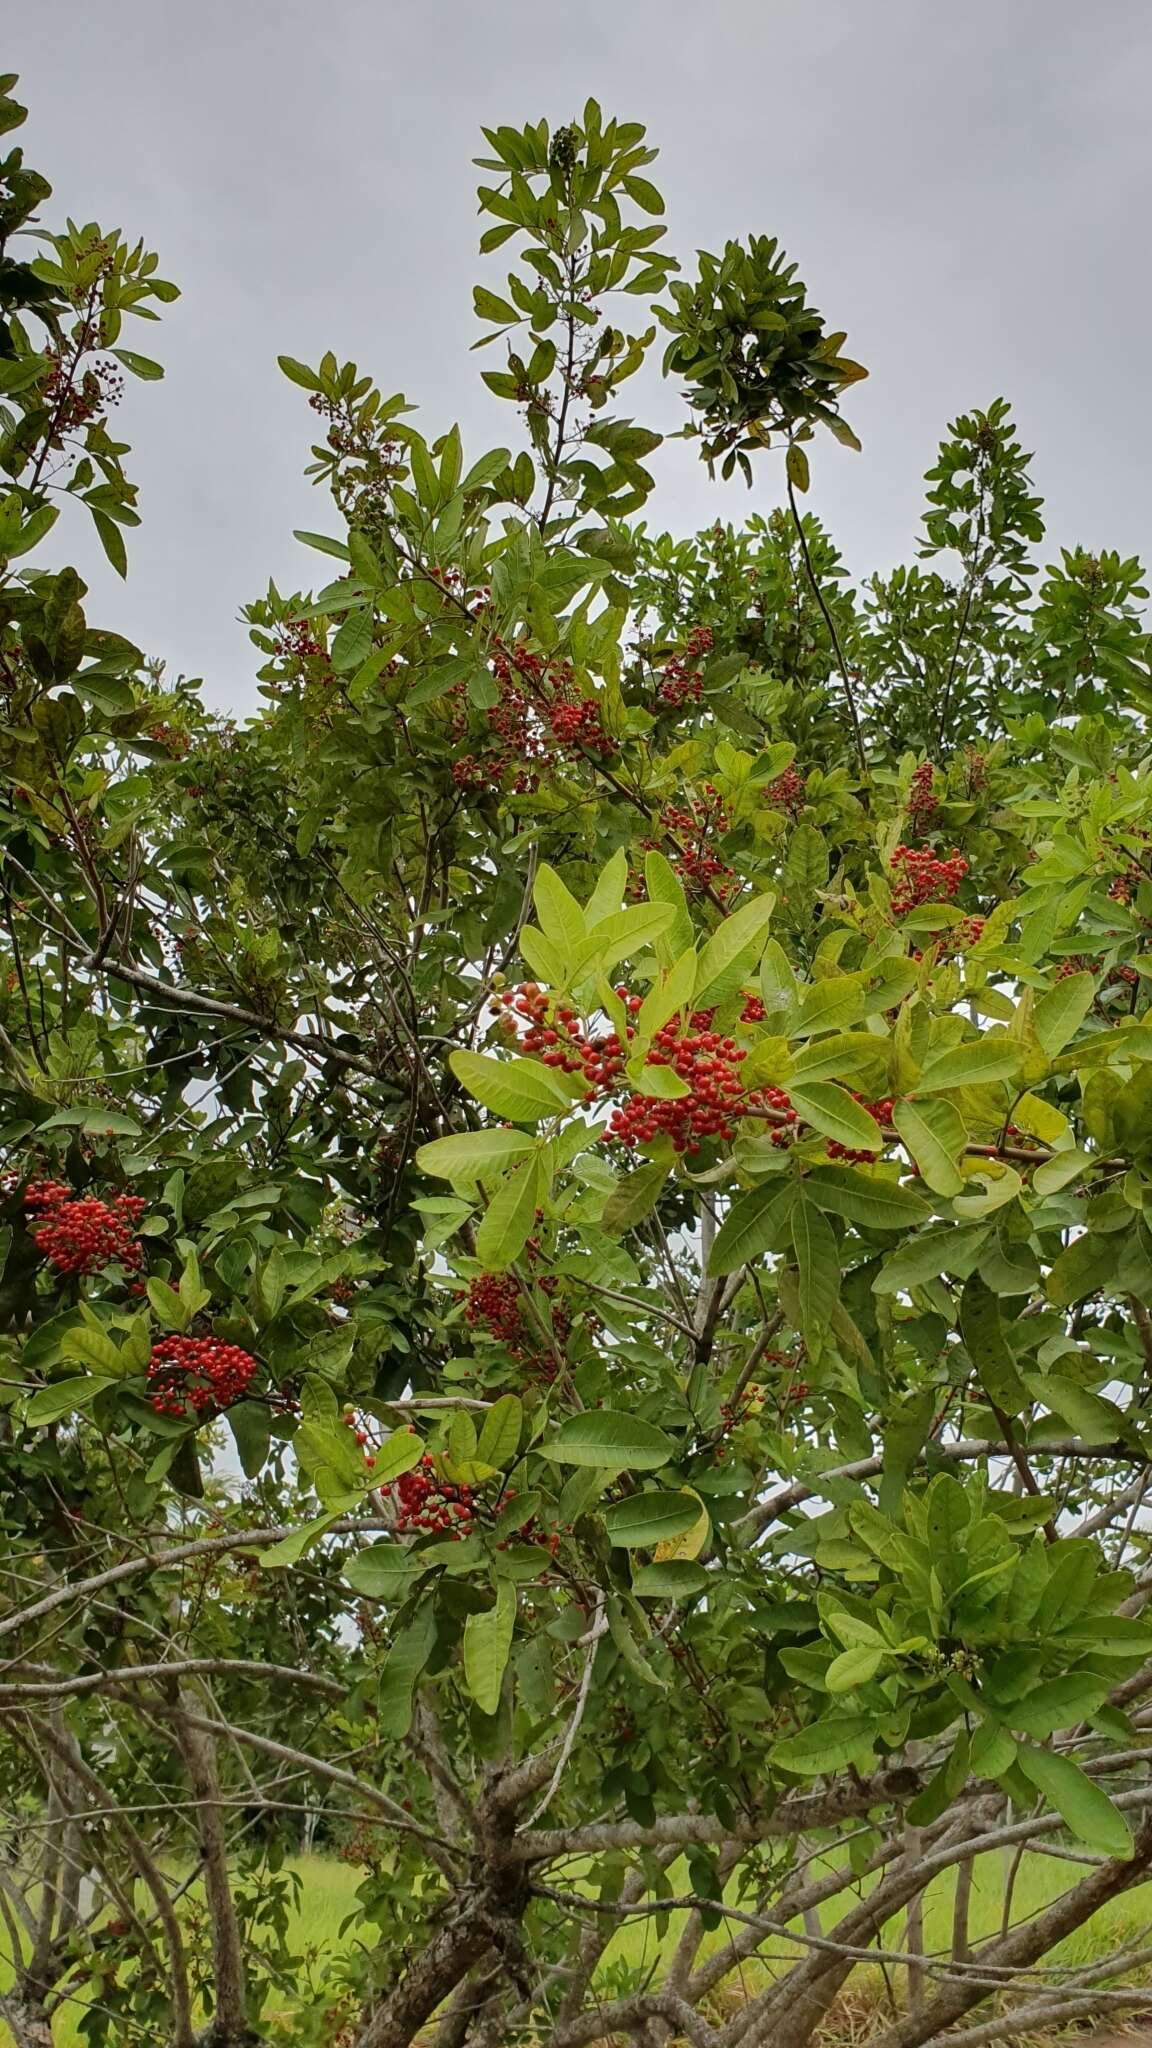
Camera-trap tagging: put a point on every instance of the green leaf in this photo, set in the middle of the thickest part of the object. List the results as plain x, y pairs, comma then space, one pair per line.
935, 1135
291, 1549
605, 1437
835, 1114
670, 992
1059, 1013
1090, 1416
140, 366
646, 1519
520, 1089
64, 1397
111, 540
1060, 1703
405, 1661
874, 1202
853, 1667
796, 463
1059, 1171
973, 1063
830, 1005
92, 1348
398, 1453
299, 373
1084, 1808
166, 1304
818, 1266
473, 1155
487, 1645
731, 951
750, 1228
561, 917
1082, 1269
508, 1219
664, 886
825, 1745
501, 1431
987, 1346
676, 1579
383, 1571
635, 1198
353, 642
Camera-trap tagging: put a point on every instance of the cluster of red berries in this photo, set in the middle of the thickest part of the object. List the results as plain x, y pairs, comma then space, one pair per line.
753, 1011
577, 724
882, 1113
431, 1505
557, 1037
708, 1062
197, 1373
923, 878
780, 1103
923, 803
173, 742
680, 682
495, 1304
80, 1233
968, 932
787, 792
694, 826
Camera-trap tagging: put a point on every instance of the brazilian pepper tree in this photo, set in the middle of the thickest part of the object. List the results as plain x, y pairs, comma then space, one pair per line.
576, 1255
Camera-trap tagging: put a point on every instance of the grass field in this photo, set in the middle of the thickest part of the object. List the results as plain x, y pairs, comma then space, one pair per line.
328, 1895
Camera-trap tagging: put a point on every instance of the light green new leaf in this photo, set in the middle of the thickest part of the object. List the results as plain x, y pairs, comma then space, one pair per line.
473, 1155
64, 1397
608, 895
487, 1644
398, 1453
731, 951
835, 1114
664, 886
1059, 1171
604, 1437
671, 992
830, 1005
507, 1222
868, 1199
825, 1745
1081, 1804
501, 1431
853, 1667
935, 1135
560, 915
973, 1062
1060, 1012
520, 1089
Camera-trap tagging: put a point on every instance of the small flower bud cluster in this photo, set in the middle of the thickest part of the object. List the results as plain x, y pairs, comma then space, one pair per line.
175, 743
198, 1374
81, 1234
921, 877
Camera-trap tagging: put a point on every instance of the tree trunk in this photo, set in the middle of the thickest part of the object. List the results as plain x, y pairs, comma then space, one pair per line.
26, 2021
229, 2027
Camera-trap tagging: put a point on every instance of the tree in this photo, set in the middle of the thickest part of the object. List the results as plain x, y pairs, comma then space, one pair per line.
619, 1101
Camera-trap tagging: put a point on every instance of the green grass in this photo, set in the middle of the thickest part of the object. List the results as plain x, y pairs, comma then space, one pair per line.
328, 1895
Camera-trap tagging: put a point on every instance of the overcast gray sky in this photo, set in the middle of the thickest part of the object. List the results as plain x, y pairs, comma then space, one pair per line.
964, 186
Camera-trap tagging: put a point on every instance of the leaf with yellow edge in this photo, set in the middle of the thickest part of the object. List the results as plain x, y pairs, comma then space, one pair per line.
692, 1542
